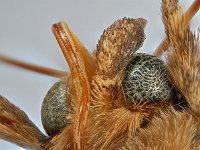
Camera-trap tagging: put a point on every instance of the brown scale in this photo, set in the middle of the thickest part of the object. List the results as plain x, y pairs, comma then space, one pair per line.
93, 108
145, 78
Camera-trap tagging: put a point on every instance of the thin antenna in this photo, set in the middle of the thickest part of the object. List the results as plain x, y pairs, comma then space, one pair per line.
34, 68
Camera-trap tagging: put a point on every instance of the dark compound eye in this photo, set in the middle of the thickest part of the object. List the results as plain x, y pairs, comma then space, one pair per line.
146, 78
55, 113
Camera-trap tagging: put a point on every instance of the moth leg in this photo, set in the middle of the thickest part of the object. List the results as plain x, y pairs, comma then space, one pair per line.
16, 127
187, 18
77, 58
183, 59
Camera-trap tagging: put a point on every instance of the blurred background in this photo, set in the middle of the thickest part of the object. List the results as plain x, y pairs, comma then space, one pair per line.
25, 34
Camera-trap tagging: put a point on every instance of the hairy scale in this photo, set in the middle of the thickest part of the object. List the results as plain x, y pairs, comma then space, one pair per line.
145, 78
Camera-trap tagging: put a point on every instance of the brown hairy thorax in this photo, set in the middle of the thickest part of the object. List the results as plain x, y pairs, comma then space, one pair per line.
98, 111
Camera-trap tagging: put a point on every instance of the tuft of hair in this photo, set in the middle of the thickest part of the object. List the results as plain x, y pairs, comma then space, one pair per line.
183, 56
170, 130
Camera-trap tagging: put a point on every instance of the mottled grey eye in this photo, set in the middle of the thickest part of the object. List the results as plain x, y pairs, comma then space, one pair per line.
146, 79
55, 113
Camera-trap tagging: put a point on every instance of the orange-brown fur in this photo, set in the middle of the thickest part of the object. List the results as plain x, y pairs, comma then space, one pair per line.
107, 122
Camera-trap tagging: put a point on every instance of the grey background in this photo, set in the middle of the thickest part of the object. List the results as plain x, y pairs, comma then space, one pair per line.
25, 33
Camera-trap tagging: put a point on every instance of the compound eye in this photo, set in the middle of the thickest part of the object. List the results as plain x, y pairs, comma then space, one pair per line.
146, 79
56, 112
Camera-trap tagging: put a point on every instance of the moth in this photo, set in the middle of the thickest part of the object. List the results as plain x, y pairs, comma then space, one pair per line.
105, 109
